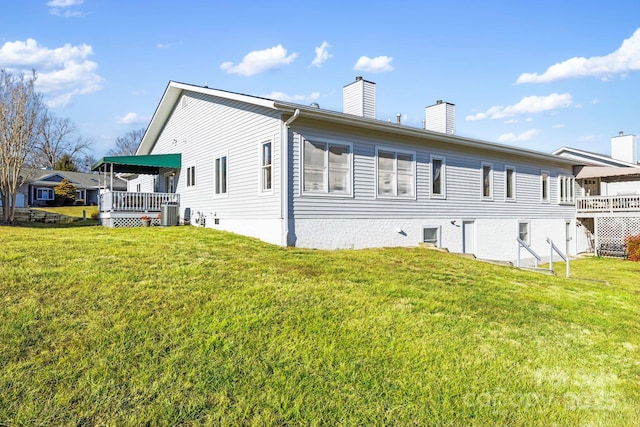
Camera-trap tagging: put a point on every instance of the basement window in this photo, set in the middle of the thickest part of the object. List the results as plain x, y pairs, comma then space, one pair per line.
431, 236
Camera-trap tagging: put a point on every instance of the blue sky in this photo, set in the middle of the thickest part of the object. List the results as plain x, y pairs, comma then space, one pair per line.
539, 75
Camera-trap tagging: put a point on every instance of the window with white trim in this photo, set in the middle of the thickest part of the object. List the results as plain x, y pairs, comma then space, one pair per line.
523, 231
544, 186
431, 236
565, 192
45, 194
266, 176
220, 170
487, 181
326, 168
191, 176
396, 173
438, 175
510, 184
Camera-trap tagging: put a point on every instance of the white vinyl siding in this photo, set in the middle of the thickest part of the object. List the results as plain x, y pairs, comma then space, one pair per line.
395, 173
326, 168
438, 177
487, 181
510, 184
220, 170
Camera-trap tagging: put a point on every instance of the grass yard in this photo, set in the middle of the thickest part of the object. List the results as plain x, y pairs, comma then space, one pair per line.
187, 326
72, 211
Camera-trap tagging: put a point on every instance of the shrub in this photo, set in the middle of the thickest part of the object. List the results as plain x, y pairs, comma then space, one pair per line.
633, 247
65, 193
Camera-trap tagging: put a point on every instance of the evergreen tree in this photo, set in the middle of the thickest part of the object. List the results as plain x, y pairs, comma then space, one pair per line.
66, 163
65, 193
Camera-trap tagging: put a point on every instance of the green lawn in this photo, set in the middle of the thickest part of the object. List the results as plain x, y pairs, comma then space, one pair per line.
72, 211
187, 326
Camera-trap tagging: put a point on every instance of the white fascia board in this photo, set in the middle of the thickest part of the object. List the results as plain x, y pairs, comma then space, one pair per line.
453, 140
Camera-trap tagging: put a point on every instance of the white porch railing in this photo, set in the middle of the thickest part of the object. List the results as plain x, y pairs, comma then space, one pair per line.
124, 201
609, 204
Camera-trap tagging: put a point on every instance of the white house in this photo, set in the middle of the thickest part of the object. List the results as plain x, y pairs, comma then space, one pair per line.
608, 199
303, 176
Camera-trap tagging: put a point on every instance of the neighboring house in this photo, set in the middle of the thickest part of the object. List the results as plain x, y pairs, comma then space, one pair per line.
39, 190
608, 202
303, 176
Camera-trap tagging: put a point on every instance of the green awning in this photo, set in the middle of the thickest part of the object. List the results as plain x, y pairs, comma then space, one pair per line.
144, 165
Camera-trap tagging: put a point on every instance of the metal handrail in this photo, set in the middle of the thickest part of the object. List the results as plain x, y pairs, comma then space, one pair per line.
553, 248
523, 244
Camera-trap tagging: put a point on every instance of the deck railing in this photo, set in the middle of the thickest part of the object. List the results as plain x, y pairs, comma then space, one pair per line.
630, 203
124, 201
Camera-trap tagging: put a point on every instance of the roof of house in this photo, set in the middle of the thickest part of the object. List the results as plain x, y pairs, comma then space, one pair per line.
51, 178
175, 89
592, 158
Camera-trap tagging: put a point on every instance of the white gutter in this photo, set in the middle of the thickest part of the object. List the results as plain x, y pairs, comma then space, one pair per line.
284, 177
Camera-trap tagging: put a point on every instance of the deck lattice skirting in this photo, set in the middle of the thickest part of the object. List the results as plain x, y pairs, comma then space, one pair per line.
610, 234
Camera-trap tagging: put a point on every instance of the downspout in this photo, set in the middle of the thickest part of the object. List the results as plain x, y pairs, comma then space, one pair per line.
284, 178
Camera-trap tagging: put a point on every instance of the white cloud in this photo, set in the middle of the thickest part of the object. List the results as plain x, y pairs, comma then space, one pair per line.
163, 46
625, 59
131, 118
62, 72
528, 105
558, 126
524, 136
64, 3
379, 64
322, 54
61, 7
511, 121
259, 61
293, 98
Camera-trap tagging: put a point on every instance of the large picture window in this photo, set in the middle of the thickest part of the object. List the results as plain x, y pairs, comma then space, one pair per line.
396, 174
45, 194
221, 175
327, 168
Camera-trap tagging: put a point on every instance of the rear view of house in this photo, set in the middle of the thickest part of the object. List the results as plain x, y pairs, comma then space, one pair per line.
303, 176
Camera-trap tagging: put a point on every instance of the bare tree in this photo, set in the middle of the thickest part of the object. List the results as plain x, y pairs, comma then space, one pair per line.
127, 145
59, 137
84, 165
21, 112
